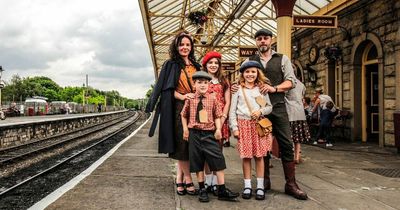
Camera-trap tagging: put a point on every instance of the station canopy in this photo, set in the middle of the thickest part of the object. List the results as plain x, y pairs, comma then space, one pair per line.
228, 24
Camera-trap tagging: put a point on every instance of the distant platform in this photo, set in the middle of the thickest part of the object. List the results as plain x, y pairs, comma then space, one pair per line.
10, 121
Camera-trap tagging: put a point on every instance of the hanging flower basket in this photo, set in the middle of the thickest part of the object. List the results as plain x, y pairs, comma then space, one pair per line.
333, 52
197, 17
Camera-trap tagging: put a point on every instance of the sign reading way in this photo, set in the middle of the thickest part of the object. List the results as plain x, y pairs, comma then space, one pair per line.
309, 21
247, 51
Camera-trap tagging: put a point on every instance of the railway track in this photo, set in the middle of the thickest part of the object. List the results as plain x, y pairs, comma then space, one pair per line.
57, 161
11, 155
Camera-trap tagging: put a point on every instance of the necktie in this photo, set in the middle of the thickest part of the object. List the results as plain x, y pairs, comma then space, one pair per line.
199, 108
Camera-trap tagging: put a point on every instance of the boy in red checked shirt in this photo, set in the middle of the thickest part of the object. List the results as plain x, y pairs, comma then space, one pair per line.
202, 128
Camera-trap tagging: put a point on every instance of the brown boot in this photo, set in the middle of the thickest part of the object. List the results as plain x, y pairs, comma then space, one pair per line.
291, 187
267, 180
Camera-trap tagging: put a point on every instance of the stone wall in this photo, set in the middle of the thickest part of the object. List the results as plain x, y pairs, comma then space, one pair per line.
377, 21
13, 135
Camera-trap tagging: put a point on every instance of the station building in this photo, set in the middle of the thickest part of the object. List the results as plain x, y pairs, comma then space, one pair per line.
357, 62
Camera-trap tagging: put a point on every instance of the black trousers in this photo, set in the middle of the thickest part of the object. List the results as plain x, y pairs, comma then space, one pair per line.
203, 147
281, 131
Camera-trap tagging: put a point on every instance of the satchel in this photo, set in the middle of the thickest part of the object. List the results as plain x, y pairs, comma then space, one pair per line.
264, 127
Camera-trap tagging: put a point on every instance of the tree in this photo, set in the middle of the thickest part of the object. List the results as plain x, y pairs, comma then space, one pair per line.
68, 93
150, 91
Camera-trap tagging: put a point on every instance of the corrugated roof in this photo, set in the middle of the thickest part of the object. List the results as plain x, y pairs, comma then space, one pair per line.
233, 21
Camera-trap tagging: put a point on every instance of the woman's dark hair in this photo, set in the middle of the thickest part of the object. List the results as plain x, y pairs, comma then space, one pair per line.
329, 105
220, 75
307, 100
173, 48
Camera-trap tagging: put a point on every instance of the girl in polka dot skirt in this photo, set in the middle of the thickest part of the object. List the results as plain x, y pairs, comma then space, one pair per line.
243, 118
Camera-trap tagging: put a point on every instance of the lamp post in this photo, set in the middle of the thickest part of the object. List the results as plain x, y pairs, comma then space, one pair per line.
1, 82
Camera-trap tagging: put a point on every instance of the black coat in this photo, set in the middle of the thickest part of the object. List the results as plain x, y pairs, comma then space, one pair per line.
165, 110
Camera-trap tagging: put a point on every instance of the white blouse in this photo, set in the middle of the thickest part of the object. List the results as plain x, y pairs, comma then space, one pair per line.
239, 108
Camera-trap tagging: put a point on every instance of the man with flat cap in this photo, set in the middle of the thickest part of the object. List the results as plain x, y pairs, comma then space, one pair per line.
278, 69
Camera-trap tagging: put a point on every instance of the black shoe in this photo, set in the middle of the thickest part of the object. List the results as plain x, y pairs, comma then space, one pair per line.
227, 144
209, 189
203, 195
260, 197
214, 190
180, 192
227, 195
247, 195
191, 192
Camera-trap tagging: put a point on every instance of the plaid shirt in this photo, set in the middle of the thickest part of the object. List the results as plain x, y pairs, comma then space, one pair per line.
210, 104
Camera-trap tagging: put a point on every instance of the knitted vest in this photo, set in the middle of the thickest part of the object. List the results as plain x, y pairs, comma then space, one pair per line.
273, 71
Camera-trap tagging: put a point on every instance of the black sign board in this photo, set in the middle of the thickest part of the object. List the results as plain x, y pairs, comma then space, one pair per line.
310, 21
228, 66
247, 51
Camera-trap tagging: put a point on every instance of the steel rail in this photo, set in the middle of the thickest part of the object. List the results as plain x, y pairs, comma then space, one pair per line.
103, 139
9, 157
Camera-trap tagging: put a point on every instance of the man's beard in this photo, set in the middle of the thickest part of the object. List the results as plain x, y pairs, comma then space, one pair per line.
264, 49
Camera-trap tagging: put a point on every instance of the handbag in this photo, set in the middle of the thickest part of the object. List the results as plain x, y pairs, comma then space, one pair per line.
264, 125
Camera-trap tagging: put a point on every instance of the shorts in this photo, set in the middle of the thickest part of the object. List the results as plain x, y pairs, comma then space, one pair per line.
203, 147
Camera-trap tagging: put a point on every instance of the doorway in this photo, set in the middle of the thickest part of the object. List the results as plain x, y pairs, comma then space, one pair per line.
370, 95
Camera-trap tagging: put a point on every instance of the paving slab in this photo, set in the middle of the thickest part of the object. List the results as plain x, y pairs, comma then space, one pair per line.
137, 177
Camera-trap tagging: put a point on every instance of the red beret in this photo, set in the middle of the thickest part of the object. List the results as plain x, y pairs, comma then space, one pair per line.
209, 55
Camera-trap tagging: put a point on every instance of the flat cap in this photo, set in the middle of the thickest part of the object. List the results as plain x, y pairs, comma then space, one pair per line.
264, 32
249, 64
201, 75
209, 55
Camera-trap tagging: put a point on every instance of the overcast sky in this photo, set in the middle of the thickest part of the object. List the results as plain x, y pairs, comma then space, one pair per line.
67, 39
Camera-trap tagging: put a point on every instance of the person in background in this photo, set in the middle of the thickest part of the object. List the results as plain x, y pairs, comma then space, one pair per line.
220, 88
307, 108
297, 118
326, 107
173, 87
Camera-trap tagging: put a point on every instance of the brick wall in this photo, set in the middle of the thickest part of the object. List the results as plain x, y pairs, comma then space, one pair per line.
13, 135
365, 19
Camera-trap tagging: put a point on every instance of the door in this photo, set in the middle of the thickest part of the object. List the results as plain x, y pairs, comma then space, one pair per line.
372, 102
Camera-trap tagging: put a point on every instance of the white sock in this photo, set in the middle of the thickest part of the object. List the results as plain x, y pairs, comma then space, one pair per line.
260, 184
247, 184
208, 179
214, 180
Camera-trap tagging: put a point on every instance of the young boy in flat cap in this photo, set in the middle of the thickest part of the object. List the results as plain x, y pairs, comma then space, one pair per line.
202, 128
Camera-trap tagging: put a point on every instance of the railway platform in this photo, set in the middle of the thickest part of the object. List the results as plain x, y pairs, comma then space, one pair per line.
135, 176
10, 121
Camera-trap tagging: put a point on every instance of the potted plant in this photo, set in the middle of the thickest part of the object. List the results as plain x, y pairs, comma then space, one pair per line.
197, 17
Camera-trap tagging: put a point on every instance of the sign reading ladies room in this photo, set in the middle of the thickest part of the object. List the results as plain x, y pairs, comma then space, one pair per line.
310, 21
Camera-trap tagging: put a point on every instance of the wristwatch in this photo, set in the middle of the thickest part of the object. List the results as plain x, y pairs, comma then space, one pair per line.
276, 88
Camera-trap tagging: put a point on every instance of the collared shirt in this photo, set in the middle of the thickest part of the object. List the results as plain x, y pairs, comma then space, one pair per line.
287, 69
239, 108
210, 104
294, 102
183, 84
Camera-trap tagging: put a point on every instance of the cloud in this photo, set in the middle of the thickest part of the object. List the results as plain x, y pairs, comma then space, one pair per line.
65, 40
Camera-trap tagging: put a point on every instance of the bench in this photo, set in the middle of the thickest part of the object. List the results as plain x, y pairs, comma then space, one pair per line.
339, 124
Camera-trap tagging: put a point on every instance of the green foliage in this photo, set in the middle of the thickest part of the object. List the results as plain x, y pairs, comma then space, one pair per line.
18, 89
69, 93
150, 91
